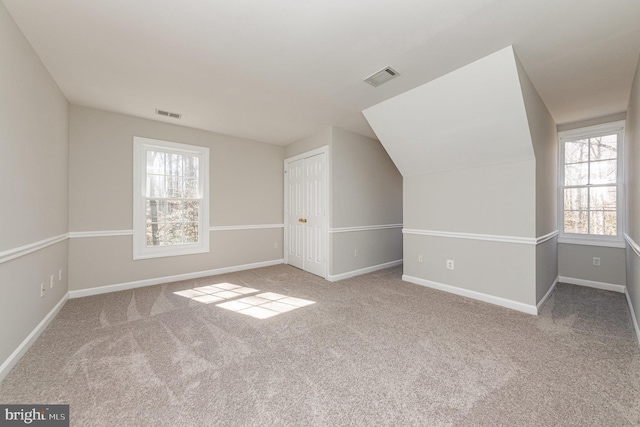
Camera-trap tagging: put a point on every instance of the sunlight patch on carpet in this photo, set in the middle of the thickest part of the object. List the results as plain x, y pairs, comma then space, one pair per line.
215, 293
265, 305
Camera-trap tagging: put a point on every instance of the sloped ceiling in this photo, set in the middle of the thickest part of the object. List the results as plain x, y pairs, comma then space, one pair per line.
473, 116
277, 71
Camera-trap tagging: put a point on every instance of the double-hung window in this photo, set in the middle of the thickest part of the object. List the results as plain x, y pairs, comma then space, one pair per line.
171, 199
591, 195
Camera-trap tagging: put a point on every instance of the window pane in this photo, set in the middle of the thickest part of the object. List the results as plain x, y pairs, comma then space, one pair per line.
174, 164
191, 166
155, 234
174, 211
175, 187
603, 223
611, 223
191, 189
191, 232
576, 199
155, 162
604, 147
173, 233
156, 186
576, 151
603, 172
576, 174
603, 198
156, 210
191, 211
576, 222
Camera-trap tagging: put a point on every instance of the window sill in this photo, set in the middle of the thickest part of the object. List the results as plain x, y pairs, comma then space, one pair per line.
592, 241
171, 252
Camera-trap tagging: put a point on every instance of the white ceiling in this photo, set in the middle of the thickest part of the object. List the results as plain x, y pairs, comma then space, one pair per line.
277, 71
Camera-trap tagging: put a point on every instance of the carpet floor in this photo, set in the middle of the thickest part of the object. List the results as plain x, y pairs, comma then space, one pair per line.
278, 346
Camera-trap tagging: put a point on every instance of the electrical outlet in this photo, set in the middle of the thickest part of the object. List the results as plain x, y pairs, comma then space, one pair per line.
450, 265
275, 245
419, 258
51, 281
355, 252
41, 290
60, 274
596, 261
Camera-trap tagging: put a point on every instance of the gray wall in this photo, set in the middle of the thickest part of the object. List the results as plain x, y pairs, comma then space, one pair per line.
545, 147
34, 194
492, 268
246, 188
367, 187
497, 199
366, 190
632, 142
319, 139
472, 201
576, 262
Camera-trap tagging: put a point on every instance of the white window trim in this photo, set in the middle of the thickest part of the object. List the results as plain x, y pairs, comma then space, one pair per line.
591, 239
140, 248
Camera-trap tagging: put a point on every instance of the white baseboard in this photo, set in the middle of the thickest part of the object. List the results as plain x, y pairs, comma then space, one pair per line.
547, 295
167, 279
503, 302
17, 354
593, 284
371, 269
633, 316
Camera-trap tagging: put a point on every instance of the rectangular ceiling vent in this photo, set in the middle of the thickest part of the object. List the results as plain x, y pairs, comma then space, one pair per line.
381, 76
168, 114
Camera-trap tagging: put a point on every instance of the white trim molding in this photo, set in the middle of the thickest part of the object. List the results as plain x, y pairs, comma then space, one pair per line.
633, 244
244, 227
503, 302
364, 228
547, 237
593, 284
633, 316
483, 237
547, 295
17, 354
14, 253
591, 242
354, 273
310, 153
104, 233
168, 279
111, 233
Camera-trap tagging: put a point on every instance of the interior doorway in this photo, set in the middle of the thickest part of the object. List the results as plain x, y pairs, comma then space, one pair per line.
306, 216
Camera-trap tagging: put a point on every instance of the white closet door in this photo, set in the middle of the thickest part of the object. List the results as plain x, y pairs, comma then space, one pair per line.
306, 213
295, 212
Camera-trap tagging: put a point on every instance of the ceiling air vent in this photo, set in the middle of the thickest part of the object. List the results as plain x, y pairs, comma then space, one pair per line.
381, 76
168, 114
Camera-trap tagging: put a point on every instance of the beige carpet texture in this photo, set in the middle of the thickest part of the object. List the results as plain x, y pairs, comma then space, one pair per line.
277, 346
